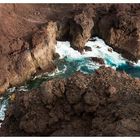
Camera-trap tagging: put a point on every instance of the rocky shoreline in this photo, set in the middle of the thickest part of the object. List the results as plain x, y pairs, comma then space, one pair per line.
29, 33
105, 103
102, 104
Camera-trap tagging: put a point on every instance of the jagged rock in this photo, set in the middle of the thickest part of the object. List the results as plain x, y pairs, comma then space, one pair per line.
80, 29
90, 111
22, 60
98, 60
119, 27
103, 104
87, 48
25, 29
44, 45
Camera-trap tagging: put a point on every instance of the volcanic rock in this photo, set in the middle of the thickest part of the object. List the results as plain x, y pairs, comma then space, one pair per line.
119, 27
80, 29
53, 109
110, 49
29, 32
44, 45
98, 60
87, 48
21, 60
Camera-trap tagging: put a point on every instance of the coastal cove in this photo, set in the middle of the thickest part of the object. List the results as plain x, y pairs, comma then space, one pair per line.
70, 61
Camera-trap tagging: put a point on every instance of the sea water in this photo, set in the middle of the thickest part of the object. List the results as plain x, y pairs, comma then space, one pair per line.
83, 63
71, 61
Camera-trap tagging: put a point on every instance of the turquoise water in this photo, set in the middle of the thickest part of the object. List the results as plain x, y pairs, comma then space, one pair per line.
134, 71
71, 61
65, 68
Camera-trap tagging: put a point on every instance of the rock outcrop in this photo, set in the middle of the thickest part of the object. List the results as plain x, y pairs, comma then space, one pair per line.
106, 103
28, 33
21, 60
28, 37
98, 60
119, 25
80, 29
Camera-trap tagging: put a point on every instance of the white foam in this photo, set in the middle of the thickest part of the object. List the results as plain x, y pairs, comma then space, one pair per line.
64, 50
112, 59
3, 108
23, 88
11, 90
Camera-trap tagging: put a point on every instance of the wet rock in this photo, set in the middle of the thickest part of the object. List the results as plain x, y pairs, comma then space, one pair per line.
130, 63
87, 48
98, 60
110, 49
92, 39
98, 47
56, 56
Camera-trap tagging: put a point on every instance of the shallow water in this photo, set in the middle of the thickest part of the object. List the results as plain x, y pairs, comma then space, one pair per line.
71, 61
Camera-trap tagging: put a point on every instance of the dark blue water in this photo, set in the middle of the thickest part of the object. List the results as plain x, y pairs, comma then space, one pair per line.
134, 71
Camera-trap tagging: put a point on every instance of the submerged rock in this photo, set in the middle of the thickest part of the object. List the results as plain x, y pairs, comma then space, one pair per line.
102, 104
87, 48
98, 60
110, 49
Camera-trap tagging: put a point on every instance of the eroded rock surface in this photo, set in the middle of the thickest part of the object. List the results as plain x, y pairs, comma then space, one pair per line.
106, 103
103, 104
28, 33
21, 60
28, 37
81, 28
119, 25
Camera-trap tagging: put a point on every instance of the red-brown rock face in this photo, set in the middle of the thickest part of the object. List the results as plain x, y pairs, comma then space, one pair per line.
106, 103
80, 29
28, 34
22, 60
119, 27
28, 37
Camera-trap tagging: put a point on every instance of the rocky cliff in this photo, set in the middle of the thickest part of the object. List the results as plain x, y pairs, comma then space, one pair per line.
29, 33
106, 103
